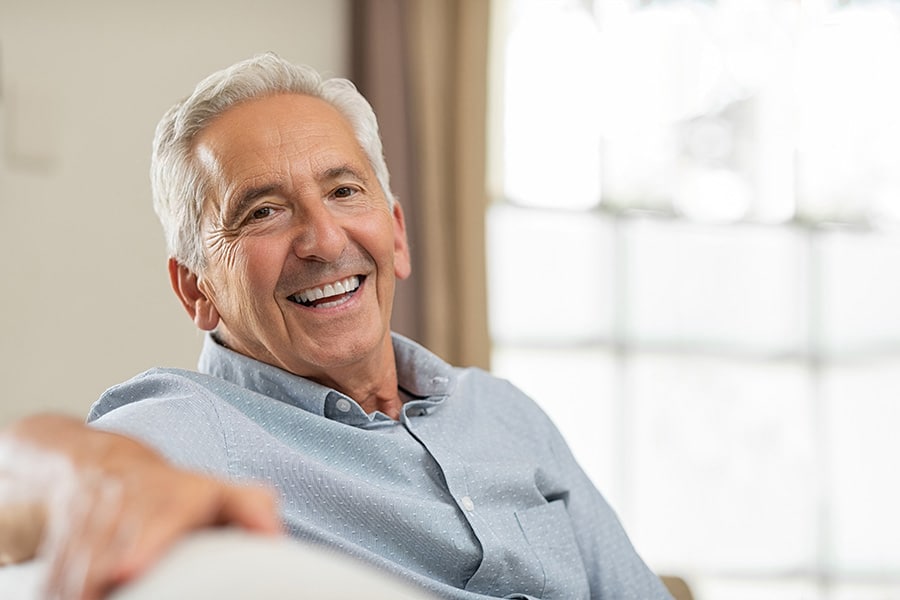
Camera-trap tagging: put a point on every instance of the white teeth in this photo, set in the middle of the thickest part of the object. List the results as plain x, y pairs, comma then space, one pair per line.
332, 289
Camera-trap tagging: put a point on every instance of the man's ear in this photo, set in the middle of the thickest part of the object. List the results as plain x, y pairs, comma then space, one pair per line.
402, 260
195, 301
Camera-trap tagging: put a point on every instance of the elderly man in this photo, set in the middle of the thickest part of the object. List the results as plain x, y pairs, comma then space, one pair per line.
285, 245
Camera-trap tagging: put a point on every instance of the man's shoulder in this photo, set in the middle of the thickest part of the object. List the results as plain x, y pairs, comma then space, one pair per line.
161, 383
489, 394
181, 414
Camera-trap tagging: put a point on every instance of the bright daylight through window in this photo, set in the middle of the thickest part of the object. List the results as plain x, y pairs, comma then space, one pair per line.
693, 261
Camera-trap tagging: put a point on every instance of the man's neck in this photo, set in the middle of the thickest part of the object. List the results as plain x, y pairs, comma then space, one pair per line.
383, 395
372, 384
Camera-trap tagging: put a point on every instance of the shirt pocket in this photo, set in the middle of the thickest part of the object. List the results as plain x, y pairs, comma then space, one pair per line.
548, 530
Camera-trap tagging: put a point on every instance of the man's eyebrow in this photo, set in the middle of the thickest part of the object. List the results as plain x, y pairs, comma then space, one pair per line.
340, 172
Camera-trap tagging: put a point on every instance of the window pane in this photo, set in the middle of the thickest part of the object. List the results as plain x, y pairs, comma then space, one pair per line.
723, 463
848, 93
725, 287
861, 591
757, 589
551, 143
695, 108
550, 275
860, 292
863, 405
576, 388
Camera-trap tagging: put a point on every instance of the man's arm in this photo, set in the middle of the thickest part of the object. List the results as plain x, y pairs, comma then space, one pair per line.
110, 506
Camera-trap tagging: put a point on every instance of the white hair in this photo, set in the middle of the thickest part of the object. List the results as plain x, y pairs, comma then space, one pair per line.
179, 184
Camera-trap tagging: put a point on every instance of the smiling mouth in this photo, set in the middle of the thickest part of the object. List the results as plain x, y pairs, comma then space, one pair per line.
326, 296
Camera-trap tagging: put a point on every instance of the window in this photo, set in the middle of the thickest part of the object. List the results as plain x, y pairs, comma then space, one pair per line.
694, 267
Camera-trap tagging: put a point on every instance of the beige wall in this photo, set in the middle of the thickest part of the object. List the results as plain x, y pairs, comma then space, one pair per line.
85, 300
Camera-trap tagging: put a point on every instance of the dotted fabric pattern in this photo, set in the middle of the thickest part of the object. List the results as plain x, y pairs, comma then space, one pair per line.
472, 493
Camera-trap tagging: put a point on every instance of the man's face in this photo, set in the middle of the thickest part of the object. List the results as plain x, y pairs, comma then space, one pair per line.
302, 248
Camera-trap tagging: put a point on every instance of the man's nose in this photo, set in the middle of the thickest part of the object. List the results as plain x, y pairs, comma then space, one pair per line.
319, 234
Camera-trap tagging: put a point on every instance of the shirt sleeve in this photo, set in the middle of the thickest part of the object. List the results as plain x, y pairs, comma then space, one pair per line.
171, 414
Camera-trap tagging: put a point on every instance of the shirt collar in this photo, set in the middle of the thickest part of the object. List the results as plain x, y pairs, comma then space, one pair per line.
421, 374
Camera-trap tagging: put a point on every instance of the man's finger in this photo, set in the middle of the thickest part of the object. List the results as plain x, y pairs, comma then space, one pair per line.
253, 508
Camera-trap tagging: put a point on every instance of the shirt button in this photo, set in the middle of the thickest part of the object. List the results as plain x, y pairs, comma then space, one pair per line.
342, 405
467, 504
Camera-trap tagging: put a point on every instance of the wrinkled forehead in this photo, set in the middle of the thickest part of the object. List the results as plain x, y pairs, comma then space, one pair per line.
269, 139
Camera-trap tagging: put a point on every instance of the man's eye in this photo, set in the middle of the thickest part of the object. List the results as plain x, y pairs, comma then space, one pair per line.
344, 192
261, 213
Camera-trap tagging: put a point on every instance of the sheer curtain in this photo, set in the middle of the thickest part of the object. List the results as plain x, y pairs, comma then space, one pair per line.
423, 65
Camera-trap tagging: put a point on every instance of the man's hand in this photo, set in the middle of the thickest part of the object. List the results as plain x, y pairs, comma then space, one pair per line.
21, 525
112, 506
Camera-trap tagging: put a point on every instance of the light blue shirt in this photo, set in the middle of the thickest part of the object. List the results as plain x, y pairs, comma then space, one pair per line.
472, 493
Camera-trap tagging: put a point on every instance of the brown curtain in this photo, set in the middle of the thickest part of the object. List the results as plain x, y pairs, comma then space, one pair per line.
423, 66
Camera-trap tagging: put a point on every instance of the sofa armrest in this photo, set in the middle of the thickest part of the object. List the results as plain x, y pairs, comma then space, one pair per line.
232, 564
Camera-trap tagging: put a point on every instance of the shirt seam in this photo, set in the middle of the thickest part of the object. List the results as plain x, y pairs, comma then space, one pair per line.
229, 463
